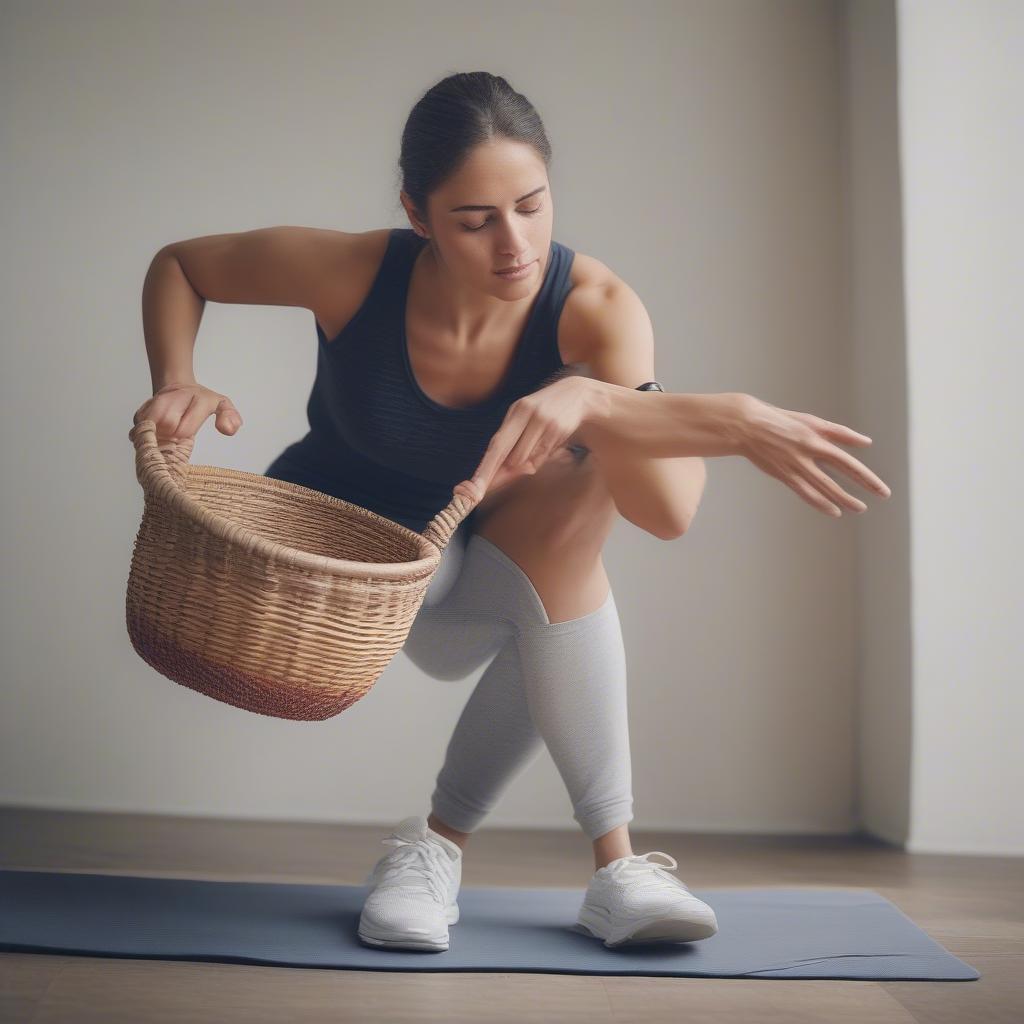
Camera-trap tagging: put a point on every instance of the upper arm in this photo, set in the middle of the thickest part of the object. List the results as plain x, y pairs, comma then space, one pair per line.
616, 338
277, 266
615, 334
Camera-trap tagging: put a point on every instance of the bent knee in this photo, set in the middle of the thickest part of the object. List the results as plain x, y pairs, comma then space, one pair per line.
439, 661
443, 650
443, 670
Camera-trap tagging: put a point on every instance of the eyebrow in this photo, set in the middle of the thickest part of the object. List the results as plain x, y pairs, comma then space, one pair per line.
455, 209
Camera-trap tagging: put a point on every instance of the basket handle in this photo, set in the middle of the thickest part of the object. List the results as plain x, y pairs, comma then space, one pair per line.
440, 529
155, 461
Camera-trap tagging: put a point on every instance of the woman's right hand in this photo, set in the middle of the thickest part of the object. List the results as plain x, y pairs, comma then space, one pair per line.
179, 410
785, 444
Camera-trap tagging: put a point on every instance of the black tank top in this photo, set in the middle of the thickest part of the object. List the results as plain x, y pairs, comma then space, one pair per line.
375, 438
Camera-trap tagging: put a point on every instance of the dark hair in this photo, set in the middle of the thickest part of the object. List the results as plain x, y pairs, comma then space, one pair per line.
456, 115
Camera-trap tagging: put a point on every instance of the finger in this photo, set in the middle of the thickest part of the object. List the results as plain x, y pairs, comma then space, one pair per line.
504, 476
854, 469
550, 447
507, 475
191, 419
471, 489
812, 496
475, 489
831, 489
149, 410
844, 435
497, 451
530, 448
517, 421
166, 415
833, 431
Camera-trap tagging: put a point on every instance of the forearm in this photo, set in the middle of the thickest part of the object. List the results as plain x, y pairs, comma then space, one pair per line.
650, 446
659, 495
171, 313
661, 425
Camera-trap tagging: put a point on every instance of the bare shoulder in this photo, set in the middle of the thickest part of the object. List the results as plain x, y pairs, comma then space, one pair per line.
351, 262
594, 287
319, 269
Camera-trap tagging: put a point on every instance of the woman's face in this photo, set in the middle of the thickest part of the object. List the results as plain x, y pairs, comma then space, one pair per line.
512, 227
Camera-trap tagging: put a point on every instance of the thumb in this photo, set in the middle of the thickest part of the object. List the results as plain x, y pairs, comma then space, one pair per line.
228, 419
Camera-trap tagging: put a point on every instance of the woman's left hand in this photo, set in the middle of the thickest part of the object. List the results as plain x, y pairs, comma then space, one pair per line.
535, 431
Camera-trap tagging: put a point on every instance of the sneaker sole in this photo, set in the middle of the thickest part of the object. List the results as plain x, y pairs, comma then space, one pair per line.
651, 929
425, 946
396, 939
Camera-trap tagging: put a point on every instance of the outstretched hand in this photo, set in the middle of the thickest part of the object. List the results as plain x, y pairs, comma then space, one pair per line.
785, 443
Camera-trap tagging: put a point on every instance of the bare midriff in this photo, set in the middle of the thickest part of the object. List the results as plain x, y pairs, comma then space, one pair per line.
553, 524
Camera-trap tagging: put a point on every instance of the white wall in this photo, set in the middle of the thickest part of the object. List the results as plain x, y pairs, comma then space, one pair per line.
875, 364
699, 152
962, 143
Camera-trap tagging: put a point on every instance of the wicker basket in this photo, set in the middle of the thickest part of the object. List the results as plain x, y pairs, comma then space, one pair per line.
267, 595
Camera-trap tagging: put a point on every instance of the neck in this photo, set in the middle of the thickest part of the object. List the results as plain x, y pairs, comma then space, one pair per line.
470, 317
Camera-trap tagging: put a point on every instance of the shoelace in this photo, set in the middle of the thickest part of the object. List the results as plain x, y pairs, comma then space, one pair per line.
420, 860
639, 863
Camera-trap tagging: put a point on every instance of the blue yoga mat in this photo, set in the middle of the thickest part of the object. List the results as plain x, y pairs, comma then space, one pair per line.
763, 933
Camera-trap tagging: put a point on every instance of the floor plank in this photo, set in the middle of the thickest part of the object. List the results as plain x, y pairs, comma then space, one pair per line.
97, 991
24, 979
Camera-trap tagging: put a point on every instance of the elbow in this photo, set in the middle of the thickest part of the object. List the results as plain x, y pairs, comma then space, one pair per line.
166, 250
672, 530
676, 515
659, 520
670, 526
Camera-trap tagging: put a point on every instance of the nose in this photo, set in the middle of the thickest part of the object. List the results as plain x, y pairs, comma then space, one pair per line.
512, 244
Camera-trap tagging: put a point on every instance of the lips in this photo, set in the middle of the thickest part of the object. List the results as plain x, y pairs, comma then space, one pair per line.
512, 270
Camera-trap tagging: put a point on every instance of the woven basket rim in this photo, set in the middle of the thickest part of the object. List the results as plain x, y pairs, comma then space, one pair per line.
160, 484
254, 541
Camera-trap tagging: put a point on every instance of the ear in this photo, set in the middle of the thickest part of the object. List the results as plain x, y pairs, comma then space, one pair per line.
418, 225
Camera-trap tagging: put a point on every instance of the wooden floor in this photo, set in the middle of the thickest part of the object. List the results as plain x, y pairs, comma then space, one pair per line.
974, 906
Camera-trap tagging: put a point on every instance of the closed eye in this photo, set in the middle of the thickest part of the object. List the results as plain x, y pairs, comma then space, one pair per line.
529, 213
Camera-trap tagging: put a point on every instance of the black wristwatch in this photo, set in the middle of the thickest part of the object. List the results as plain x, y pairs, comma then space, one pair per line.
651, 385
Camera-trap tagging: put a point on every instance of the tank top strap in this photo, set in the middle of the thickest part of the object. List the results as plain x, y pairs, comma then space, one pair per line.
402, 249
382, 304
540, 355
548, 356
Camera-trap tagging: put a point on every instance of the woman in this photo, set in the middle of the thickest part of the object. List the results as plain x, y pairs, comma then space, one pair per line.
436, 361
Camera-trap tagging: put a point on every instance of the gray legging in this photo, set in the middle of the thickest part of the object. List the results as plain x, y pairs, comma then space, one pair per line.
562, 683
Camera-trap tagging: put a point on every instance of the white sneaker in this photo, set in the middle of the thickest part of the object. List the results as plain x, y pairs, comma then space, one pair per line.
634, 899
413, 892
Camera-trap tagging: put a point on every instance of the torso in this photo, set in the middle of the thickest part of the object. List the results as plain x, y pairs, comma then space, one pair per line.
508, 517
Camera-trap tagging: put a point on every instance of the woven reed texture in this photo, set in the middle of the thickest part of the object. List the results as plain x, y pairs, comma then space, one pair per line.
267, 595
